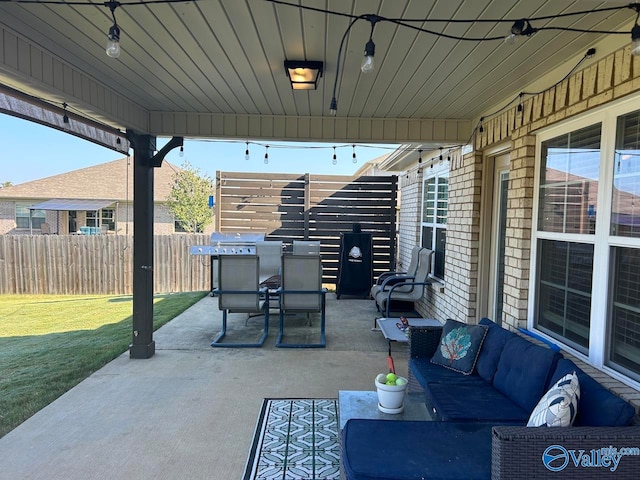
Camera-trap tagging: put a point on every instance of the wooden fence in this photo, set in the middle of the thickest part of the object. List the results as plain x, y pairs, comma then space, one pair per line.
311, 207
97, 264
284, 207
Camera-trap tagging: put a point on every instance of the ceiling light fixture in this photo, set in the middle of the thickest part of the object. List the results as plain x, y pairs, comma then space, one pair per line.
113, 42
303, 74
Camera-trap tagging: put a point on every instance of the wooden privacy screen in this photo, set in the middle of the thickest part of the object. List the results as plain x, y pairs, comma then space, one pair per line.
311, 207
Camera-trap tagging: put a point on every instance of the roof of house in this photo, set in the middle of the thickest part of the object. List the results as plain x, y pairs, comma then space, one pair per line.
104, 181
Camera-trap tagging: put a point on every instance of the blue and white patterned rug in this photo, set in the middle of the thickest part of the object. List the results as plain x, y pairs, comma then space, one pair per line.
296, 439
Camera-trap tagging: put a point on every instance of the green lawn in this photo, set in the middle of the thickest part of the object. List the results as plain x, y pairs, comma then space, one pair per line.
50, 343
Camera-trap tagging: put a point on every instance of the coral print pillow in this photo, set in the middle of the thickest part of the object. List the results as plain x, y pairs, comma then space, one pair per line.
459, 346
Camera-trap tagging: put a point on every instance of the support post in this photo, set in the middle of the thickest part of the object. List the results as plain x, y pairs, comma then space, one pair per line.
142, 345
144, 161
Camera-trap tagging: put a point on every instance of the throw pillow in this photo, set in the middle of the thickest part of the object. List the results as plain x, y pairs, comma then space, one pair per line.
459, 346
559, 406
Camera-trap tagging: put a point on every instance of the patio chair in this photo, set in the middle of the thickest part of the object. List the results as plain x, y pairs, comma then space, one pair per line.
410, 289
239, 292
387, 279
306, 247
302, 292
270, 254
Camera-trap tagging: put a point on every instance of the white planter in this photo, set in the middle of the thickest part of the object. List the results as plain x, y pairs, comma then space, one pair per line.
391, 397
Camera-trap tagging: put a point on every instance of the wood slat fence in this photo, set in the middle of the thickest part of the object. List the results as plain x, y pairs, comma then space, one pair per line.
311, 207
97, 264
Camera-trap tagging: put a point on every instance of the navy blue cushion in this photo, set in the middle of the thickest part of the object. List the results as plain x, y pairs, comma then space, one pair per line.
425, 372
402, 450
523, 372
474, 403
459, 346
491, 350
598, 407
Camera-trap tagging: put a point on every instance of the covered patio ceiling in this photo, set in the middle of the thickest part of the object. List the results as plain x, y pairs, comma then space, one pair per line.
214, 68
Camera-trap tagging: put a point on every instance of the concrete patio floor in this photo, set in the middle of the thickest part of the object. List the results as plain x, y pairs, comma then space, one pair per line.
190, 411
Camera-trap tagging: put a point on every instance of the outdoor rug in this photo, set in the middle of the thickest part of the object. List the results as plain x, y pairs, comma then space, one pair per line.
296, 439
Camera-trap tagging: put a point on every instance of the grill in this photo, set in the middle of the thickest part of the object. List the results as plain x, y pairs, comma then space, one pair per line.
226, 244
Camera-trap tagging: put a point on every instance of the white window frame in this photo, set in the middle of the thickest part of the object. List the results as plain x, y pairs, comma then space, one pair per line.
429, 173
32, 213
602, 240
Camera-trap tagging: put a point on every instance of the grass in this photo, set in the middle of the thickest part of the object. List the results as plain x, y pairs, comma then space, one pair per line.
49, 344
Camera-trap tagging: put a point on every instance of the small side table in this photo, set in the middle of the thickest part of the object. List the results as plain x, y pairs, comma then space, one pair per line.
364, 404
392, 333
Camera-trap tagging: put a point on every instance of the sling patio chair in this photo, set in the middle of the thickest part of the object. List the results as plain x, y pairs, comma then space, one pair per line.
239, 292
306, 247
387, 279
270, 255
301, 292
410, 289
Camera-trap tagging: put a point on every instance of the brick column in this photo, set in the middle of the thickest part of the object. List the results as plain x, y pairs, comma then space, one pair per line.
463, 238
519, 225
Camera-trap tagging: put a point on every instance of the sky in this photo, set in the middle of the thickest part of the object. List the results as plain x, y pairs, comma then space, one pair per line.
31, 151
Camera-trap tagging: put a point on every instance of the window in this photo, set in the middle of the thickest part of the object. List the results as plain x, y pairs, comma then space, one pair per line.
107, 217
435, 201
587, 240
38, 217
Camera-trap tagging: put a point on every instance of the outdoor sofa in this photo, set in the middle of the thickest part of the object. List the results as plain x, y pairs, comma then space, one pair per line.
480, 428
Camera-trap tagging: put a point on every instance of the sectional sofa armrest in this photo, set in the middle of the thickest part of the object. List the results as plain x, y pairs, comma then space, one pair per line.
423, 341
519, 452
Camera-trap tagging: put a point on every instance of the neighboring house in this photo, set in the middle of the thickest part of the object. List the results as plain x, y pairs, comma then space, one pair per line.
534, 223
96, 196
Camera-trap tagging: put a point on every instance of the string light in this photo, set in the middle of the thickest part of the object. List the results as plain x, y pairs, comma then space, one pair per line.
65, 117
370, 48
266, 154
247, 157
335, 157
181, 153
355, 160
113, 42
520, 102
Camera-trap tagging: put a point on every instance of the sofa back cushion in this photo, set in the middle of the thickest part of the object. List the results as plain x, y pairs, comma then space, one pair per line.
598, 407
492, 348
523, 371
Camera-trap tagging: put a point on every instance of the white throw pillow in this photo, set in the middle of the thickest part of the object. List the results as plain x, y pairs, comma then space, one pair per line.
559, 406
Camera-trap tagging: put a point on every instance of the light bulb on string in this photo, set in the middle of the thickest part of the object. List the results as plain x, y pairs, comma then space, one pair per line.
247, 157
181, 154
266, 155
368, 63
113, 42
65, 117
355, 160
335, 157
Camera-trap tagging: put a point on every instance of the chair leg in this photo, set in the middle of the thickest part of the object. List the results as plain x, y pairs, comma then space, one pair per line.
323, 341
265, 332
